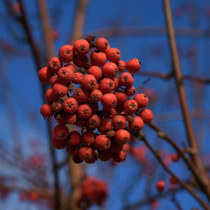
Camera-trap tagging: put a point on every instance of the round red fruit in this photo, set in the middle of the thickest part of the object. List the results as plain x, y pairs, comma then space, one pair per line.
126, 79
98, 58
95, 96
106, 85
121, 66
46, 110
137, 124
74, 138
130, 106
160, 186
54, 65
105, 125
96, 72
142, 100
119, 157
61, 132
109, 100
84, 111
118, 122
88, 138
88, 82
113, 55
81, 95
122, 136
70, 105
101, 44
60, 90
102, 142
44, 75
133, 65
81, 46
109, 69
146, 115
66, 53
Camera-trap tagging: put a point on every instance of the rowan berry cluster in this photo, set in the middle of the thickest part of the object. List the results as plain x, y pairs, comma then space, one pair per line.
92, 92
93, 191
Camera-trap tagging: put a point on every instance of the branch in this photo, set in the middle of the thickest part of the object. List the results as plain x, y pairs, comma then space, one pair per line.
35, 54
117, 31
169, 76
75, 168
182, 97
185, 186
190, 165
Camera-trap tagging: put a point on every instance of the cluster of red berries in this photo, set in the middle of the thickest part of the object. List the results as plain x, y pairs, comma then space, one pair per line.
93, 191
92, 92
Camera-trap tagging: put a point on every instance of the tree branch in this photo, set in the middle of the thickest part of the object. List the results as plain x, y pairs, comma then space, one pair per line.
185, 186
182, 97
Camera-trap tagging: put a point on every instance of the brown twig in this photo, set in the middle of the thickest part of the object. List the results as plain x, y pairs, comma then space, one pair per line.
35, 54
185, 186
190, 165
76, 168
169, 76
46, 26
182, 97
158, 31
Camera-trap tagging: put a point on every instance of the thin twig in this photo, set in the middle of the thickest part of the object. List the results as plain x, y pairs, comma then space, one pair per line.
35, 54
118, 31
185, 186
183, 101
169, 76
76, 168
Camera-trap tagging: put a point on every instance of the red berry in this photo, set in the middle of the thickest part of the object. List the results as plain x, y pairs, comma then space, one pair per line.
57, 106
130, 106
71, 66
61, 132
126, 79
81, 95
121, 66
109, 100
71, 119
95, 71
109, 113
50, 96
137, 124
118, 122
104, 155
175, 157
93, 122
65, 75
61, 118
88, 138
70, 105
146, 115
98, 58
173, 180
44, 75
106, 85
46, 110
121, 97
53, 80
133, 65
60, 90
58, 144
160, 186
119, 157
88, 82
102, 142
142, 100
122, 136
85, 153
79, 60
54, 65
104, 126
95, 96
130, 91
113, 55
75, 157
78, 77
81, 46
66, 53
84, 111
74, 138
102, 44
109, 69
